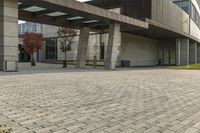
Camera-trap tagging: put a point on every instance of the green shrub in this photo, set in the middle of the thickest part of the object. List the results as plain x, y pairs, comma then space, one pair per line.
189, 67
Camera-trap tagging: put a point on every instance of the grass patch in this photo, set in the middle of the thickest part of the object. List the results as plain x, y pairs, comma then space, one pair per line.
189, 67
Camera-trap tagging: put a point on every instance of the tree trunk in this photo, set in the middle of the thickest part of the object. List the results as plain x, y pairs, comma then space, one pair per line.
65, 61
38, 55
32, 60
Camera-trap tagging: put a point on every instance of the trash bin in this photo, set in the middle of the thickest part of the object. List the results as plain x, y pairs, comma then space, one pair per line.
125, 63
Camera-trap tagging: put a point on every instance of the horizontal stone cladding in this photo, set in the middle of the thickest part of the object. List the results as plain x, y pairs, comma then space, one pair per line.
8, 34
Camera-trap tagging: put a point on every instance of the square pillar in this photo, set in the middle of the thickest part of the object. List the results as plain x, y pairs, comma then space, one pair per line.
82, 47
112, 47
198, 53
178, 52
193, 53
8, 35
184, 52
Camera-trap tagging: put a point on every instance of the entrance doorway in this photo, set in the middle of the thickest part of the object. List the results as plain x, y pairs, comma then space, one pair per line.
23, 55
166, 55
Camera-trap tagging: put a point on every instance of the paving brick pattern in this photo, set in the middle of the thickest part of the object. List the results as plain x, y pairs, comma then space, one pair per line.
99, 101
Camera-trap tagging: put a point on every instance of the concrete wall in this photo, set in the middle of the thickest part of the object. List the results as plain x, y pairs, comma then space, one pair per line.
198, 53
42, 54
94, 47
167, 13
185, 51
49, 30
194, 29
139, 50
193, 52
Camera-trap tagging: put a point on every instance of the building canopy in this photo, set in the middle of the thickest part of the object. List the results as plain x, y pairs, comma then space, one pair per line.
75, 14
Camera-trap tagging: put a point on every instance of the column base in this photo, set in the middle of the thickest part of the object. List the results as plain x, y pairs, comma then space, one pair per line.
9, 66
110, 65
80, 65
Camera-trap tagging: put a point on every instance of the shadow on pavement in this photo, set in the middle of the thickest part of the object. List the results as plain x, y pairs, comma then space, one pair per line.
42, 68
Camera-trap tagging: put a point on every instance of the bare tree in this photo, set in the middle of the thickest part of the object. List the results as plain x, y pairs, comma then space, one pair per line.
66, 38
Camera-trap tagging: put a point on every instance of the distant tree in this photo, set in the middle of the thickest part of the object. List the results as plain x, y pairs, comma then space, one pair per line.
66, 38
32, 43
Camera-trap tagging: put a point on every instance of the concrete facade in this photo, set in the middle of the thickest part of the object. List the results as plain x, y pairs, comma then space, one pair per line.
167, 13
193, 53
140, 51
178, 52
8, 35
198, 53
185, 52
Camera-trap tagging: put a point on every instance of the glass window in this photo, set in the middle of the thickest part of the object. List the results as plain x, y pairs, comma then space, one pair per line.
51, 49
30, 27
183, 4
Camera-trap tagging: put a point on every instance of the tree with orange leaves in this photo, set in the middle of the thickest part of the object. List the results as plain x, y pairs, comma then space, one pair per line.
32, 43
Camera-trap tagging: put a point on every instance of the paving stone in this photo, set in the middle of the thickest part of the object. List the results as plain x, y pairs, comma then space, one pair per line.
192, 130
49, 99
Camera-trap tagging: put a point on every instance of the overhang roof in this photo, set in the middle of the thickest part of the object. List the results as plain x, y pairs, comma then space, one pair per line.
74, 14
106, 4
160, 31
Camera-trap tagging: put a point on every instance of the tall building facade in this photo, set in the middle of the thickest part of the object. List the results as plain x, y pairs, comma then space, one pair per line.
191, 7
138, 50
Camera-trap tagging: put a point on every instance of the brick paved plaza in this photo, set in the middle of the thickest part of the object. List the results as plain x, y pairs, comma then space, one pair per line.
135, 100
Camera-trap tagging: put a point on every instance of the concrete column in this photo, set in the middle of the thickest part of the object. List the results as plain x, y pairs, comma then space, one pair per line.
185, 50
178, 52
82, 47
8, 35
193, 53
198, 53
112, 47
